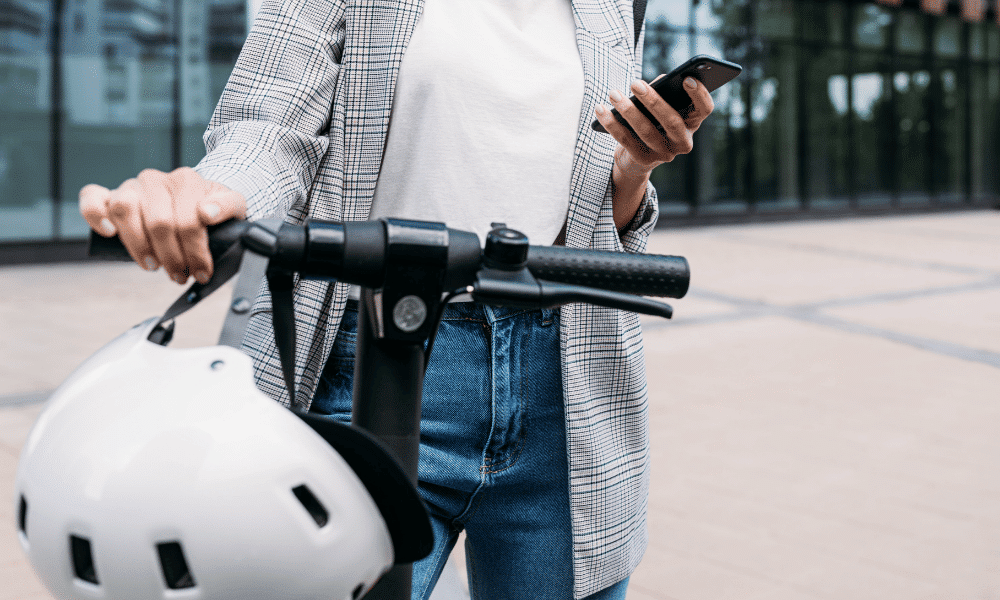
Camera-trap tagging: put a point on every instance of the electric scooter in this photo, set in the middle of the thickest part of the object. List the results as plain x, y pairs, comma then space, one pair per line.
408, 271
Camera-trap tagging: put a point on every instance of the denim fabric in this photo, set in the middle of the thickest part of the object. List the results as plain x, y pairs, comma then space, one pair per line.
493, 449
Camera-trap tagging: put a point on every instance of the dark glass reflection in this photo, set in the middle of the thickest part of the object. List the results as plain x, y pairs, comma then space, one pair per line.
774, 119
874, 130
827, 114
911, 84
25, 128
991, 125
949, 155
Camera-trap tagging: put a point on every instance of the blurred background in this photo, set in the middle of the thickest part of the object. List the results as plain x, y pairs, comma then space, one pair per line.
823, 410
844, 106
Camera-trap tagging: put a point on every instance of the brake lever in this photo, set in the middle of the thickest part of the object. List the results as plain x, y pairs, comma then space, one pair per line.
556, 294
521, 288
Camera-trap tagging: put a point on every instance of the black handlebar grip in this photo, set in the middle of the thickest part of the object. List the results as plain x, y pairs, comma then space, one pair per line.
220, 237
106, 248
641, 274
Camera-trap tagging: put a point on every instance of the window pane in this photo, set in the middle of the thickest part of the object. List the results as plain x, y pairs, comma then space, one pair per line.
722, 16
827, 114
911, 85
721, 144
775, 131
215, 34
25, 104
979, 131
949, 158
118, 90
874, 129
911, 31
775, 19
991, 160
947, 36
993, 42
668, 179
977, 40
871, 26
675, 13
664, 49
822, 21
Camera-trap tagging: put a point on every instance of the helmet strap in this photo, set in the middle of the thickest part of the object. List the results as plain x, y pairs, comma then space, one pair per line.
226, 266
281, 283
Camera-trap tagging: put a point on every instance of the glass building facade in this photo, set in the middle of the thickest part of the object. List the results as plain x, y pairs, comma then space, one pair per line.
94, 91
843, 106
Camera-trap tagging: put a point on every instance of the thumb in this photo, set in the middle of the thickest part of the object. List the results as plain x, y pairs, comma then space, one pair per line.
221, 204
94, 208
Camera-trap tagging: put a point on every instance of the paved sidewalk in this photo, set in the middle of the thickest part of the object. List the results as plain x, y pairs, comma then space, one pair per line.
825, 405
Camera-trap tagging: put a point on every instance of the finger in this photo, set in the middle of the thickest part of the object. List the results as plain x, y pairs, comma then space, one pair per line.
701, 100
189, 193
94, 208
621, 133
124, 212
160, 223
676, 138
221, 204
663, 116
643, 130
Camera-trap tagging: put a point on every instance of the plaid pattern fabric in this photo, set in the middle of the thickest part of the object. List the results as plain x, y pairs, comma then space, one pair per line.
300, 130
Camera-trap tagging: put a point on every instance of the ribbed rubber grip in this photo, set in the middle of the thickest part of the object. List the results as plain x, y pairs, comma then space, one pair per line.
642, 274
219, 238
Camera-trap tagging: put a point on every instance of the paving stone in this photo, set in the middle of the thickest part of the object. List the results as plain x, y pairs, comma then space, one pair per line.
970, 319
787, 275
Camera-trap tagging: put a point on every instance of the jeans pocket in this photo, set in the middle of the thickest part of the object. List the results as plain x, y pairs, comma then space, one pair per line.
336, 386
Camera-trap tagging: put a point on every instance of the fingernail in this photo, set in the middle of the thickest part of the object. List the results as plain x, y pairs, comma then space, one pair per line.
639, 87
212, 210
600, 109
151, 264
107, 227
690, 83
615, 96
201, 277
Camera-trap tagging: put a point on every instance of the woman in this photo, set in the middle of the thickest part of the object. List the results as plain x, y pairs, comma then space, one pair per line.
534, 434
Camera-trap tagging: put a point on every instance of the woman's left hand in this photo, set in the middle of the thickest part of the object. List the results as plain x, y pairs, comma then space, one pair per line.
653, 148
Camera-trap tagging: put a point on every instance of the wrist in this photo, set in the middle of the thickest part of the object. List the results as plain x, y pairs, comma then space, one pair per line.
627, 167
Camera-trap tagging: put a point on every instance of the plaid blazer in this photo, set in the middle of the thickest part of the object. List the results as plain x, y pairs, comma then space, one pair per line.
300, 130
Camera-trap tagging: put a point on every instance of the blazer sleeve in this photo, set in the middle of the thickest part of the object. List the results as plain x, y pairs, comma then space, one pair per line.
636, 233
268, 133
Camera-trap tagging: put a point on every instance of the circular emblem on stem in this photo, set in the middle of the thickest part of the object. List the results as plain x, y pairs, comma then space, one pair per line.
409, 313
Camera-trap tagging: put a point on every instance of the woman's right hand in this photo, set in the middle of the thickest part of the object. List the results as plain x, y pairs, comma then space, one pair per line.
161, 218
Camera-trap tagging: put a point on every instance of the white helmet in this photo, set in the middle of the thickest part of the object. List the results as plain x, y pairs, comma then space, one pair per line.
165, 473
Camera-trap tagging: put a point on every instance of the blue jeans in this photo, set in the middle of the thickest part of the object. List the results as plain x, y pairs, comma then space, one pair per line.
492, 450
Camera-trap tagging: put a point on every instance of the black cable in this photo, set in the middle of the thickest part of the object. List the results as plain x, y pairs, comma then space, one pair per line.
437, 320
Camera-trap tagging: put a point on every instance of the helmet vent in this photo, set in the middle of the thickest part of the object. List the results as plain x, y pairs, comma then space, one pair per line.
175, 568
22, 516
312, 505
83, 559
357, 591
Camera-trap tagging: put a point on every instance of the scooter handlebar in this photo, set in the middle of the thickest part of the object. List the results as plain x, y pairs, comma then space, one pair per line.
639, 274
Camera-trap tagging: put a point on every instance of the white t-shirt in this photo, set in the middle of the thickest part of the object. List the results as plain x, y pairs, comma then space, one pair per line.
485, 118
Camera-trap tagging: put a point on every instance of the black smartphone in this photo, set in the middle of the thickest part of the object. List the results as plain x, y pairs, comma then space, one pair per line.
712, 72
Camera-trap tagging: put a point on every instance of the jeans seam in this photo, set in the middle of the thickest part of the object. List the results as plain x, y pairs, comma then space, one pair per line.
436, 575
515, 452
471, 569
469, 319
